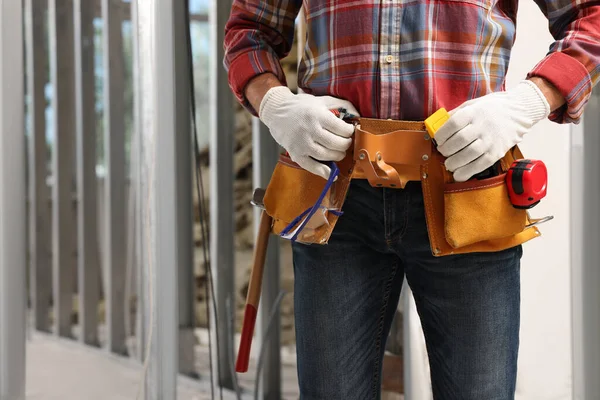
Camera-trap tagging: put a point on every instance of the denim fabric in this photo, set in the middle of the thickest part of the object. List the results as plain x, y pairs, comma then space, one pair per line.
346, 294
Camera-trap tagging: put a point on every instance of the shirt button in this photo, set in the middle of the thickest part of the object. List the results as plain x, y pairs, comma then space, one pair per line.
389, 59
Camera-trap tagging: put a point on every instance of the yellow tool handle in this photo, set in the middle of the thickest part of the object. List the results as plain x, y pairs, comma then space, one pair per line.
436, 120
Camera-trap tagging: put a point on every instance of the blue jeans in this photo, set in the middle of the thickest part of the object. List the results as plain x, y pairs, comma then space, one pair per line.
346, 294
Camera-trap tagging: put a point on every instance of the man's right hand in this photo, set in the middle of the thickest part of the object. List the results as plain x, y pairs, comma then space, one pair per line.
304, 125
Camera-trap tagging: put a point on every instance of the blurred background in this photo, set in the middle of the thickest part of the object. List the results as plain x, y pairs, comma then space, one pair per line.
110, 216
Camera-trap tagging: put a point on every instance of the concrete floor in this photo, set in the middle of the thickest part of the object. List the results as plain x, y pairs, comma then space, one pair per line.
60, 370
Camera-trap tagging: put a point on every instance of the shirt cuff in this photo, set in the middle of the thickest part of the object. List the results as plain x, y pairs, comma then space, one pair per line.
571, 79
249, 65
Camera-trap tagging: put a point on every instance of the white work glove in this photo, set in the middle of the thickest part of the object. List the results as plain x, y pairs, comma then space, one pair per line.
481, 131
304, 125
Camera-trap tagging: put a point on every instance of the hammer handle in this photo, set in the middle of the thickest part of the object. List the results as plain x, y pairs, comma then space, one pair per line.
254, 290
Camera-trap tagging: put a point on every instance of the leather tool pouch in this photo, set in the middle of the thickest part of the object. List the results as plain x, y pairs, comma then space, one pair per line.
390, 153
472, 216
292, 191
480, 210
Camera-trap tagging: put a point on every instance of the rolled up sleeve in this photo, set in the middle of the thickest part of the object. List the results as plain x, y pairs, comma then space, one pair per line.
258, 35
573, 62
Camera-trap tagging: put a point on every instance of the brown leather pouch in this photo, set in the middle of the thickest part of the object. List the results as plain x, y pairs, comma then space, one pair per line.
293, 190
479, 210
472, 216
390, 153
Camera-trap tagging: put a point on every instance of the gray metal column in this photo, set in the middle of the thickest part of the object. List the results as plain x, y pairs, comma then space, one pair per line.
12, 205
63, 107
114, 145
156, 378
40, 272
183, 181
140, 259
222, 119
585, 252
265, 153
88, 263
159, 101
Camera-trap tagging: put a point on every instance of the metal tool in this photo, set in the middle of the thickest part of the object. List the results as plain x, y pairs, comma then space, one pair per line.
539, 221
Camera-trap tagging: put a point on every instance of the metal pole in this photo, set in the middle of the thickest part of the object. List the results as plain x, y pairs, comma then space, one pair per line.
88, 263
144, 29
183, 181
40, 271
63, 107
585, 255
139, 258
221, 190
12, 204
265, 153
157, 25
114, 144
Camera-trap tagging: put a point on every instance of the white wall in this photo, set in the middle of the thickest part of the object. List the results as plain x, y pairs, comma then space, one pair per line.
545, 355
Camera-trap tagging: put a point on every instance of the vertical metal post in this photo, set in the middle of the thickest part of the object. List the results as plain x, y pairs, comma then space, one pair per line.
221, 189
114, 144
12, 204
39, 254
157, 26
165, 198
183, 192
585, 256
87, 239
63, 107
144, 28
139, 255
265, 153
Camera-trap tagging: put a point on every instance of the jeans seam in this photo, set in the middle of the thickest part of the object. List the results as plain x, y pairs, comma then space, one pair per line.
386, 298
398, 237
405, 224
386, 217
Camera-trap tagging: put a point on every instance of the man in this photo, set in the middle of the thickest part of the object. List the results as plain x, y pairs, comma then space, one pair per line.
403, 60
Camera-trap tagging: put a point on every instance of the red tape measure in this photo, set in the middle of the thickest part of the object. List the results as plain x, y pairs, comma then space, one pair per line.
527, 182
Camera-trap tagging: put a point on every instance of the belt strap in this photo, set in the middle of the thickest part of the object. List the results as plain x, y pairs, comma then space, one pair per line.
379, 126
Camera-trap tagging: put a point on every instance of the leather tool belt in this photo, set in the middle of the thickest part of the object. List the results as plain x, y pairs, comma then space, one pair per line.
390, 153
462, 217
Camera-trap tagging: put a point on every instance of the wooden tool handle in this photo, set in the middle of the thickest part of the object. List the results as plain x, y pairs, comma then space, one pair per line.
254, 290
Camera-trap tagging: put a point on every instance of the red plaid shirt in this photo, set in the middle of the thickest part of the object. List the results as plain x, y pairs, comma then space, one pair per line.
404, 59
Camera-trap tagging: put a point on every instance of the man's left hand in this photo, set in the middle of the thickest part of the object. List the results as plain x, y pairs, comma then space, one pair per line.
483, 130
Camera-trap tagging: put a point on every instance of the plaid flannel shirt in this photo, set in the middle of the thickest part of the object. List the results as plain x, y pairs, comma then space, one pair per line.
404, 59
